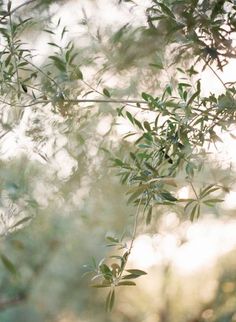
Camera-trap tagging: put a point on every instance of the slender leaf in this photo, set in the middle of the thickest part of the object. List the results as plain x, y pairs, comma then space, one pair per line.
8, 264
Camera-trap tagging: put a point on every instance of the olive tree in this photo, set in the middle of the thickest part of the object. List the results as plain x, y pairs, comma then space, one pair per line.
145, 72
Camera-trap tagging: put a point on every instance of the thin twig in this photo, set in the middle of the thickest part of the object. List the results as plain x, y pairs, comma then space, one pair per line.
214, 72
16, 8
135, 225
46, 75
132, 239
195, 192
76, 101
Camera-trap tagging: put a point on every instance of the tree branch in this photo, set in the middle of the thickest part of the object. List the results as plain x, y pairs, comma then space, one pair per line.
16, 8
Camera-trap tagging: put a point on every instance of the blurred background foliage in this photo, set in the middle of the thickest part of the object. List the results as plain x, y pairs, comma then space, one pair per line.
60, 193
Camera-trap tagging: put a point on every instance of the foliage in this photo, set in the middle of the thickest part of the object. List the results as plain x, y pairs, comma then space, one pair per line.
57, 105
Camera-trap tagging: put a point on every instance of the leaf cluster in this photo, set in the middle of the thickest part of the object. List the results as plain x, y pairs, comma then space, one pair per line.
198, 27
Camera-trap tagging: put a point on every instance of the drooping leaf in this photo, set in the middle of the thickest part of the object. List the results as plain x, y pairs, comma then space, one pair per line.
194, 211
130, 117
112, 300
126, 283
22, 221
149, 216
8, 264
58, 62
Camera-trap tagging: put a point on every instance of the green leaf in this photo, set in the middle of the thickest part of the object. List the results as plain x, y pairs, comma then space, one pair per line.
214, 137
190, 169
211, 202
136, 194
63, 32
129, 134
118, 162
100, 285
72, 58
124, 283
130, 277
208, 190
157, 65
168, 196
165, 9
169, 89
191, 201
53, 44
149, 216
147, 126
105, 270
226, 101
24, 88
106, 92
8, 264
9, 6
198, 211
195, 95
148, 98
108, 301
22, 221
112, 239
137, 272
49, 31
18, 244
76, 74
59, 63
130, 117
139, 125
8, 59
112, 300
193, 212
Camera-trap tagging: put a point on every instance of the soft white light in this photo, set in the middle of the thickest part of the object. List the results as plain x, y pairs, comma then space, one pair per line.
183, 193
207, 240
230, 200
